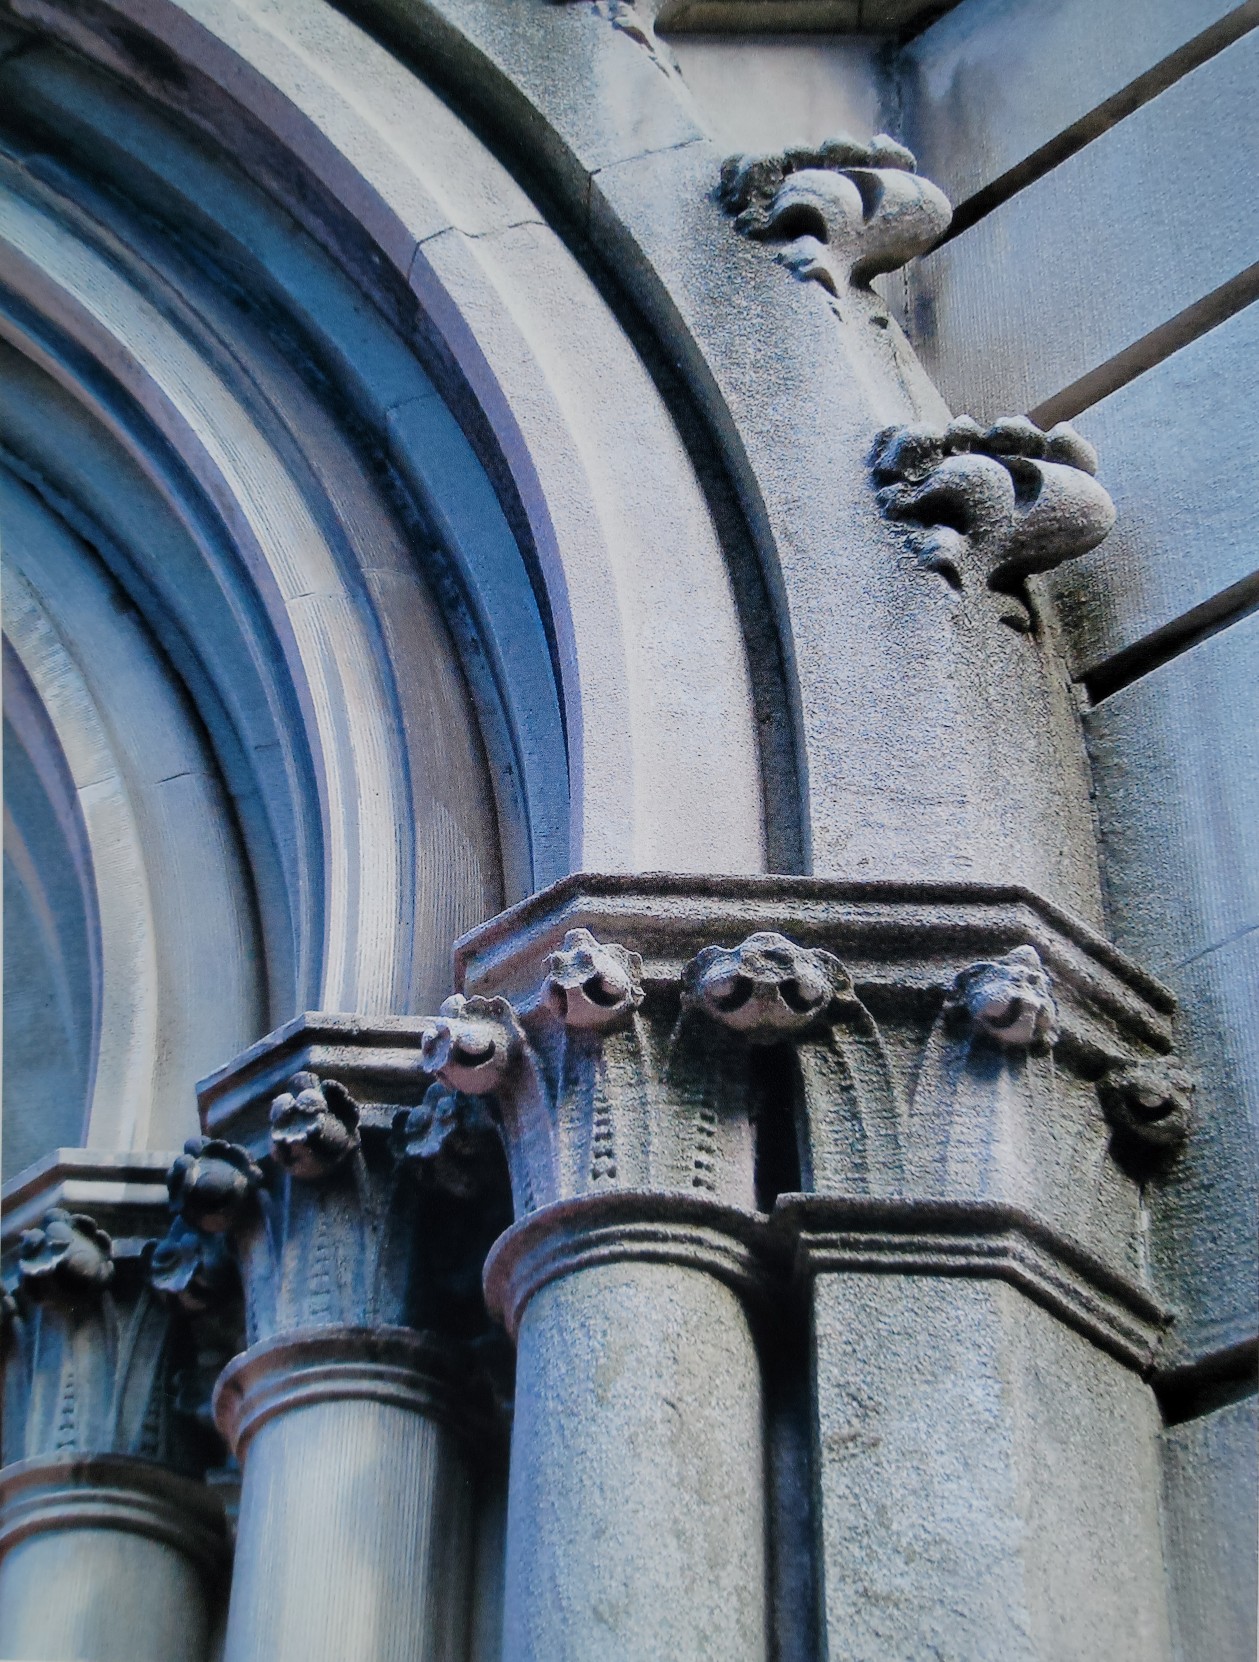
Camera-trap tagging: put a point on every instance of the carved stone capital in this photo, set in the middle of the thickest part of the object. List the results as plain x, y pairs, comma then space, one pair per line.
927, 1046
991, 507
317, 1136
838, 213
95, 1354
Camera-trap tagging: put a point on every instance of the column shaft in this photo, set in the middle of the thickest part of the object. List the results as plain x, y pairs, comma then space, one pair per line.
636, 1517
106, 1560
354, 1540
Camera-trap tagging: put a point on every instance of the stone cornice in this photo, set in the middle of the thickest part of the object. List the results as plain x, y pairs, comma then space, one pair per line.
869, 925
119, 1190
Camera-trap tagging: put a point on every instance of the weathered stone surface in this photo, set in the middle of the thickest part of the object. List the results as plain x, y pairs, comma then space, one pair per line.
1023, 1463
988, 84
1180, 476
1176, 771
1210, 1485
1001, 324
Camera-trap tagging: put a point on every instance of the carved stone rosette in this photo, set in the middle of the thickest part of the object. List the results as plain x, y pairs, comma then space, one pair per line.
98, 1446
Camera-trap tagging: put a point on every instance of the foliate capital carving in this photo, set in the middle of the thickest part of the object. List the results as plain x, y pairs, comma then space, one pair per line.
590, 984
837, 213
1009, 1000
316, 1194
892, 1045
314, 1126
94, 1351
767, 988
992, 506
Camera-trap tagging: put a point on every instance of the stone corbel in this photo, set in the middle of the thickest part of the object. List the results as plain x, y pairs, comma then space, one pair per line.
836, 214
991, 507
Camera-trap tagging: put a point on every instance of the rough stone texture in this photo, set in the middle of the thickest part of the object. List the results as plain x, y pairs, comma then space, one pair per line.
1210, 1485
1176, 769
1155, 216
1180, 479
988, 1480
991, 82
637, 1509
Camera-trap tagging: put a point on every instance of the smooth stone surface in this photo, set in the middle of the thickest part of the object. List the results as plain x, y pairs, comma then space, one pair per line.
988, 1480
1178, 449
100, 1595
353, 1540
1210, 1485
993, 80
758, 93
1176, 760
1153, 216
636, 1515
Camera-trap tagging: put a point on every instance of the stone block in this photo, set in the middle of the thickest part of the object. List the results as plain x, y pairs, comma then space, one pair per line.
1176, 760
992, 81
1023, 1466
1210, 1480
1140, 224
1177, 448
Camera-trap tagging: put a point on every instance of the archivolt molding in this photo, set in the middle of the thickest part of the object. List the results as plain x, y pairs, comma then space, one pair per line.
594, 462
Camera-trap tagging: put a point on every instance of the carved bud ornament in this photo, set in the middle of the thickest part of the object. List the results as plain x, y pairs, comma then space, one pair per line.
592, 985
472, 1044
448, 1138
314, 1126
68, 1256
211, 1183
1009, 1001
767, 988
1149, 1104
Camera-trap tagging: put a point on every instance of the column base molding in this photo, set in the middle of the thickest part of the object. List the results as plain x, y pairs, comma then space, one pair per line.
116, 1492
395, 1366
625, 1225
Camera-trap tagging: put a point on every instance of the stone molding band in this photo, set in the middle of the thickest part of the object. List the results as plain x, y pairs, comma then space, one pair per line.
985, 1240
393, 1366
114, 1492
811, 1235
624, 1226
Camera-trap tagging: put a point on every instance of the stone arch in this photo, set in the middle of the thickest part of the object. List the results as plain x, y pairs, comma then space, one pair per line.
425, 554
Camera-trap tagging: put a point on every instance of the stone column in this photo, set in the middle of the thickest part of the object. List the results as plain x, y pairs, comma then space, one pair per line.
111, 1549
637, 1512
934, 1113
354, 1411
